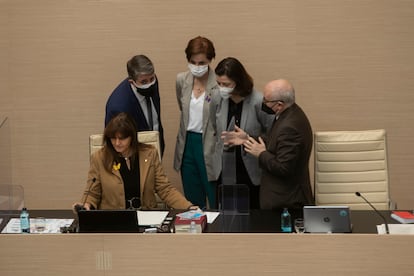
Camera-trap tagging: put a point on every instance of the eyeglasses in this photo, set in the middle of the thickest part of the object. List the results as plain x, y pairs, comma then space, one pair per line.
134, 203
272, 101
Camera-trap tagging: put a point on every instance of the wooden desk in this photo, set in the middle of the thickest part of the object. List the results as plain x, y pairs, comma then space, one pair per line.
206, 254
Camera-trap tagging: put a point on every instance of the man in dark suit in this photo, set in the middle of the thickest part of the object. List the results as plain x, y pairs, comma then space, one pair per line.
284, 154
138, 95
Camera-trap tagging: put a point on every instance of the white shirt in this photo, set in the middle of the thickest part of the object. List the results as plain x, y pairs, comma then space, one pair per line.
143, 103
195, 121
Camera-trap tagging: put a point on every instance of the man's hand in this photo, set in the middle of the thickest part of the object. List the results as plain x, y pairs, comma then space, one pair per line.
234, 138
254, 147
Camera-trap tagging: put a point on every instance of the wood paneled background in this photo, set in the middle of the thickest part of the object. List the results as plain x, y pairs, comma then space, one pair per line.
351, 63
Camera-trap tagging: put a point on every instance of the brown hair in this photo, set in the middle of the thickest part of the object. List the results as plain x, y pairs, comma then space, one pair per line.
234, 70
200, 45
121, 124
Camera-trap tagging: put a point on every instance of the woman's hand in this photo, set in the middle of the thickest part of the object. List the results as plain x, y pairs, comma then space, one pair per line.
234, 138
79, 206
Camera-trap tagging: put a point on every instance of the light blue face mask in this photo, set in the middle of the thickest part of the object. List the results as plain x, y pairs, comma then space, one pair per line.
225, 92
198, 71
145, 86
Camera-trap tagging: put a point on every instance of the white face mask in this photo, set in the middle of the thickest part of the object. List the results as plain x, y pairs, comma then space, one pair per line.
145, 86
225, 92
198, 71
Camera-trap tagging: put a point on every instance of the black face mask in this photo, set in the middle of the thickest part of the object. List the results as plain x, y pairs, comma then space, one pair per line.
267, 109
147, 92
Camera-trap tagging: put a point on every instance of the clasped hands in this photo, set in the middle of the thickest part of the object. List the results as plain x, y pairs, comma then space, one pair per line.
239, 137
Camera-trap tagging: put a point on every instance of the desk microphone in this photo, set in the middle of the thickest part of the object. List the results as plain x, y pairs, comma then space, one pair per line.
376, 211
79, 207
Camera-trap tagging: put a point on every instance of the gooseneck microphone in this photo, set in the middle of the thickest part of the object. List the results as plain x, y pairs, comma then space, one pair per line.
79, 207
376, 211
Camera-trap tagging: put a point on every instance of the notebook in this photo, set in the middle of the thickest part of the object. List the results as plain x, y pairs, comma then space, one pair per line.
327, 219
108, 221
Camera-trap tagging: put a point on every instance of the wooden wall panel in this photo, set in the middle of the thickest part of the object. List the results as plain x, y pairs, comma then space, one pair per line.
350, 62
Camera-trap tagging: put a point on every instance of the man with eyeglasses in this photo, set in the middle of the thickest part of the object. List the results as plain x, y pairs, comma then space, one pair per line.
284, 153
138, 96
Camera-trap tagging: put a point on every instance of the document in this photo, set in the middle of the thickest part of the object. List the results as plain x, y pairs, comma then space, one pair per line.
211, 216
397, 229
155, 218
52, 226
151, 218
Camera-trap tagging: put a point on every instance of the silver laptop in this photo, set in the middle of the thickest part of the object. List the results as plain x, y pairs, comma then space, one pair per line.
327, 219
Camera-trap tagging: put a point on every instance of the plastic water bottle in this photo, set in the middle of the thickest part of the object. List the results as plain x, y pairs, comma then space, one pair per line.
285, 221
192, 228
25, 221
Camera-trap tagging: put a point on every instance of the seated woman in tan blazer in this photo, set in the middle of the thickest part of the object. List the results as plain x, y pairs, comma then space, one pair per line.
126, 173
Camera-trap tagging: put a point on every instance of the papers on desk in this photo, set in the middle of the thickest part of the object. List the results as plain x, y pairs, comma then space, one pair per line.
397, 229
211, 216
151, 218
52, 226
154, 218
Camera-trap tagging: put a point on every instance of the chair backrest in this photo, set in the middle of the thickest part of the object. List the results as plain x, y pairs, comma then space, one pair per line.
351, 161
145, 137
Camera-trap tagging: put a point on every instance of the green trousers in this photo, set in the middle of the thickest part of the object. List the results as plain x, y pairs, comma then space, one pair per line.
193, 173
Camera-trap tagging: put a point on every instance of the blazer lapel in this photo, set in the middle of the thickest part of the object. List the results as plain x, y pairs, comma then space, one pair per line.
144, 165
223, 113
210, 89
187, 89
115, 170
246, 111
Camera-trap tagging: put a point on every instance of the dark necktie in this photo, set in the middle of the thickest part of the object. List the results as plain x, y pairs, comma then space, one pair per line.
149, 110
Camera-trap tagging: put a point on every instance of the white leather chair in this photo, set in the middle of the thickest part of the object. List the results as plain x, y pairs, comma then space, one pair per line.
145, 137
351, 161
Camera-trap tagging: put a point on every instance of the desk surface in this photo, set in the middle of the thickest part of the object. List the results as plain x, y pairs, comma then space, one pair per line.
258, 221
210, 253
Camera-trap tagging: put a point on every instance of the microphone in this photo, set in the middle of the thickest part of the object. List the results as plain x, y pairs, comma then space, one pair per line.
79, 207
376, 211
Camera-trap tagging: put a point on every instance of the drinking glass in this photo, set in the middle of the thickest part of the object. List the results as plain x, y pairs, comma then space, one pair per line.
299, 225
40, 224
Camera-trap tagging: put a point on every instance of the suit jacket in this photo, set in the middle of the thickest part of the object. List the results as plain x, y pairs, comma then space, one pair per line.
285, 163
107, 192
253, 121
184, 88
123, 99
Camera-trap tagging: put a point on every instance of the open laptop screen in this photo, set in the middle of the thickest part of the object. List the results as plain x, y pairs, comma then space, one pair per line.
108, 221
327, 219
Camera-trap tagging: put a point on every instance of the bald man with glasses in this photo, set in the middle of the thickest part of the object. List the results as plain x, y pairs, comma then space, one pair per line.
284, 153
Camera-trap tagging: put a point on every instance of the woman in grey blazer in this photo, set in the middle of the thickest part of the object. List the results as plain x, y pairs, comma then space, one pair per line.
238, 103
195, 151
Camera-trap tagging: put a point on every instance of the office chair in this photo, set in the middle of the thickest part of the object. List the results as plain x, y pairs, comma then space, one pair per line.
145, 137
351, 161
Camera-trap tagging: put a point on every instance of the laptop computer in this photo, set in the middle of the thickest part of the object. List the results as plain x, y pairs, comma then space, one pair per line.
108, 221
327, 219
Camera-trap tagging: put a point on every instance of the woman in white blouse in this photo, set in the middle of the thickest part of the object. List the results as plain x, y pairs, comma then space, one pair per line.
195, 151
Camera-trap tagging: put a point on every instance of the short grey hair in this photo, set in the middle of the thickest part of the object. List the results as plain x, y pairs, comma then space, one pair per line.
139, 65
287, 96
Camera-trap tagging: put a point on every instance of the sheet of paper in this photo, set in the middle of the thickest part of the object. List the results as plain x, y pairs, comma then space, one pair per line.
52, 226
148, 218
397, 229
211, 216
